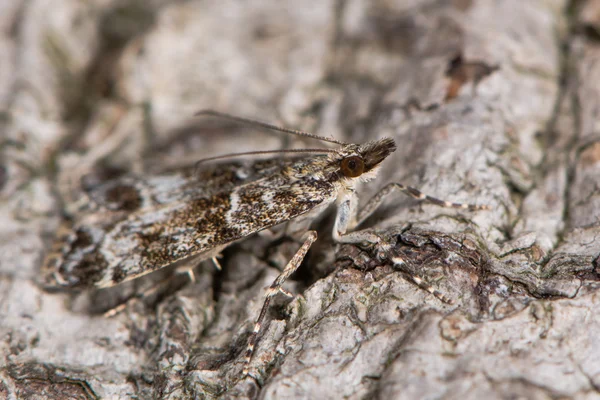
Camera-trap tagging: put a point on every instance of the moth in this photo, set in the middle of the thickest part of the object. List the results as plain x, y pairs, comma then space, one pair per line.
135, 225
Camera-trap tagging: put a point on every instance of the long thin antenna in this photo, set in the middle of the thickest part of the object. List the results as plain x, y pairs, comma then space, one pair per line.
267, 126
252, 153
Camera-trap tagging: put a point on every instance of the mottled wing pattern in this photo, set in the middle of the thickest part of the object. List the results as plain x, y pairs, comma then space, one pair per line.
137, 235
131, 193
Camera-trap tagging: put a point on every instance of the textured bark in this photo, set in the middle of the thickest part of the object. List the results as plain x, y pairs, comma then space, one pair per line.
490, 102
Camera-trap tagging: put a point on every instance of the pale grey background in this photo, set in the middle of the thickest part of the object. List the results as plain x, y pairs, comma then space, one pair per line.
490, 102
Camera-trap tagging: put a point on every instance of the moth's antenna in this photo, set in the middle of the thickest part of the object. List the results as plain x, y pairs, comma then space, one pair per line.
267, 126
252, 153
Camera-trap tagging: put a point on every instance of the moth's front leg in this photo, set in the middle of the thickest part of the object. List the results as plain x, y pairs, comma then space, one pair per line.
346, 220
390, 188
348, 216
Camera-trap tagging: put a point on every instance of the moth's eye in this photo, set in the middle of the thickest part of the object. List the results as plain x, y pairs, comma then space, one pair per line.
352, 167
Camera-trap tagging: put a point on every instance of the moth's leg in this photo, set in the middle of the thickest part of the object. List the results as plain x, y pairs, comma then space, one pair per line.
378, 198
275, 288
401, 265
384, 248
116, 310
188, 271
216, 263
345, 220
348, 218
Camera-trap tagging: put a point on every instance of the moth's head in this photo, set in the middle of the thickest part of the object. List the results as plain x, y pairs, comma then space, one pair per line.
362, 161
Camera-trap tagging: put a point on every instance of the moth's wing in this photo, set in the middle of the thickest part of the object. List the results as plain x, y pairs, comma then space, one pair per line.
152, 238
128, 194
75, 258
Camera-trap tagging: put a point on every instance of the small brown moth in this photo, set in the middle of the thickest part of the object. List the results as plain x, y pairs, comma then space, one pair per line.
136, 225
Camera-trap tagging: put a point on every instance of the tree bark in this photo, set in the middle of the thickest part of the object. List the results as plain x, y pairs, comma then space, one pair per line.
490, 102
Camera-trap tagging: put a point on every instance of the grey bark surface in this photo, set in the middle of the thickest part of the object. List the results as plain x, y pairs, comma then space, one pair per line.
490, 102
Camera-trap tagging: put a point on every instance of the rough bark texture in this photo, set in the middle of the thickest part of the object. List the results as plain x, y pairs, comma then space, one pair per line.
491, 102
